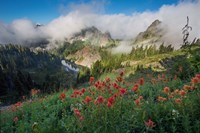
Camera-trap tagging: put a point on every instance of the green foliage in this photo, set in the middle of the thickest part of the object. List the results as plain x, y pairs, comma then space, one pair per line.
194, 58
83, 75
73, 113
70, 48
22, 69
110, 62
165, 49
182, 68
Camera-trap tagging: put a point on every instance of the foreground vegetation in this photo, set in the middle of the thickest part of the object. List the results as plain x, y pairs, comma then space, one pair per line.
157, 103
144, 101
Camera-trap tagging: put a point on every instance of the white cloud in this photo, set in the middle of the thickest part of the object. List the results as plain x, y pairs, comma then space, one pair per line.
119, 25
123, 47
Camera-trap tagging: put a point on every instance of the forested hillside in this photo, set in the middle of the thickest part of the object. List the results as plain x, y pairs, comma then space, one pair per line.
22, 69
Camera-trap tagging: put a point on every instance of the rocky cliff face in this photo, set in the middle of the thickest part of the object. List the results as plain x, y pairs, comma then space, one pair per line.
92, 36
86, 56
151, 36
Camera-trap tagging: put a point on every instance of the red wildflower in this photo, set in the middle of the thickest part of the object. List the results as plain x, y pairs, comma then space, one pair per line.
91, 80
149, 123
178, 100
137, 102
171, 95
88, 99
34, 92
83, 90
109, 104
161, 99
196, 79
115, 95
124, 82
100, 100
122, 91
78, 114
73, 95
111, 100
76, 92
141, 97
62, 96
182, 93
187, 87
80, 93
121, 74
141, 81
116, 86
135, 88
166, 90
18, 104
197, 76
176, 91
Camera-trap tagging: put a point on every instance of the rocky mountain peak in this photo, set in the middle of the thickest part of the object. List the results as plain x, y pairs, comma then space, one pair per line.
154, 25
93, 36
153, 31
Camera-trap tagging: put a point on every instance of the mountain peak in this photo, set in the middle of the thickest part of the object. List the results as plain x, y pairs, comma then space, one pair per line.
154, 25
153, 31
92, 35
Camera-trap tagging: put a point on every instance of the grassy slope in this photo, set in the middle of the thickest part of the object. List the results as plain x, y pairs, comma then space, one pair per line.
51, 114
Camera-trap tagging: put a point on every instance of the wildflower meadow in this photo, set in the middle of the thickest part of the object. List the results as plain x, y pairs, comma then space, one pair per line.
153, 103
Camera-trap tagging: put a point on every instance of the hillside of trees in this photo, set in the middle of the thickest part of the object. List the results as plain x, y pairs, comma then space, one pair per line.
22, 69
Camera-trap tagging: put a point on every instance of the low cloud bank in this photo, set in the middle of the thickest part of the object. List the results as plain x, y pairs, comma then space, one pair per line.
121, 26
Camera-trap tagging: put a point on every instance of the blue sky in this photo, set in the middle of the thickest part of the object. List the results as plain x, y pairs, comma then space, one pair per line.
43, 11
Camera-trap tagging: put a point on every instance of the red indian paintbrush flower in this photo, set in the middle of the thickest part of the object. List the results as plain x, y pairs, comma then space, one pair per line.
196, 79
83, 90
18, 104
122, 91
176, 91
101, 100
166, 90
141, 81
62, 96
137, 102
121, 74
88, 99
111, 100
197, 76
182, 93
178, 101
161, 99
150, 123
135, 88
109, 104
78, 114
116, 86
187, 87
91, 80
